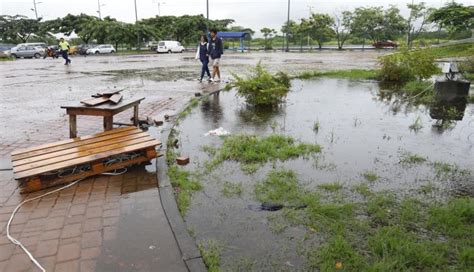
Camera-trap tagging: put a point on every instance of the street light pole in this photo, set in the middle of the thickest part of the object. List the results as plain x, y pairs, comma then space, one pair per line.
207, 16
288, 28
98, 5
136, 23
36, 11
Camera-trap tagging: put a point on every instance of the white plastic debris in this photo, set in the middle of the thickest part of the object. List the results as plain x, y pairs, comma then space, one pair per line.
217, 132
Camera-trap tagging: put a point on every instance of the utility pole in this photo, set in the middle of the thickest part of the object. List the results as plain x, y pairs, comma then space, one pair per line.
288, 28
98, 10
207, 16
34, 7
136, 24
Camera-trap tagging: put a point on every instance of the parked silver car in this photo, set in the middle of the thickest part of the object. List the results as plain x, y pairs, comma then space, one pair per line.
27, 51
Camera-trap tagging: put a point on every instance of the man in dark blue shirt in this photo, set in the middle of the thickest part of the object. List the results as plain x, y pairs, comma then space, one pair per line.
216, 50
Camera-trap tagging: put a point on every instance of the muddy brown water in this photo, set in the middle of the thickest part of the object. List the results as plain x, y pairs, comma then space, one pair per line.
360, 131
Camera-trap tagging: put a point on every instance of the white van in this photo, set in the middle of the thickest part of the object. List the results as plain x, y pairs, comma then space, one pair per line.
169, 47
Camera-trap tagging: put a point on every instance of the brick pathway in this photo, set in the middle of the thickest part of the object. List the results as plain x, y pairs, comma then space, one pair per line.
76, 229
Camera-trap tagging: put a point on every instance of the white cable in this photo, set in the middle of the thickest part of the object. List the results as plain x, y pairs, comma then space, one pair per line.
15, 241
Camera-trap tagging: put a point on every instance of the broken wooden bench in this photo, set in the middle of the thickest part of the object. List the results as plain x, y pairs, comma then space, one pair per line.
65, 161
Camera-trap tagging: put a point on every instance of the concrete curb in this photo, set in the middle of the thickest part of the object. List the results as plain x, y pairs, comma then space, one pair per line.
187, 245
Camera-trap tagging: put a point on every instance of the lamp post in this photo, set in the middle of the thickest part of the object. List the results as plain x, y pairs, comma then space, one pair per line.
136, 23
35, 9
207, 16
288, 28
98, 10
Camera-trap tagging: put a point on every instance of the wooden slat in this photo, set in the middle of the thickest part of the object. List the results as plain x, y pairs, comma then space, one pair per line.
28, 188
115, 98
75, 155
77, 149
82, 160
75, 144
95, 101
28, 149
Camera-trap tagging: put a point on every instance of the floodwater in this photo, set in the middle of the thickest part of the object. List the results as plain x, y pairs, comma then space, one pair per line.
360, 129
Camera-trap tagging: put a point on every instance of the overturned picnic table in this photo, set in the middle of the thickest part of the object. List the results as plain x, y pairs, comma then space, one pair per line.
106, 110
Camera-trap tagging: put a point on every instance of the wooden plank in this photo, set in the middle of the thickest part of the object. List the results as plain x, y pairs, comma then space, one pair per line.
95, 101
81, 153
86, 159
26, 188
102, 138
33, 148
77, 149
116, 98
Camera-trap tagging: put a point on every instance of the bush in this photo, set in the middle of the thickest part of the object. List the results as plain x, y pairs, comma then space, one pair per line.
407, 65
262, 88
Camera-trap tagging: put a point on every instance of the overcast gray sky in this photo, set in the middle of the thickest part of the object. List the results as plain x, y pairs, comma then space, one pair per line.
255, 14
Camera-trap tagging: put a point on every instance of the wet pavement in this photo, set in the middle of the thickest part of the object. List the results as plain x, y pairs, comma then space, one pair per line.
107, 223
360, 130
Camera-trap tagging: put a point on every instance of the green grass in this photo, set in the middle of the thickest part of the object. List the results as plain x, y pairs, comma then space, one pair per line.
336, 252
252, 150
459, 50
211, 254
396, 249
350, 74
416, 125
331, 187
445, 171
232, 189
184, 184
7, 59
370, 176
280, 187
408, 158
455, 219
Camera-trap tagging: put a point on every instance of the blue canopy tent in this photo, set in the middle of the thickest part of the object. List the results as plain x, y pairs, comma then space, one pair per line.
234, 35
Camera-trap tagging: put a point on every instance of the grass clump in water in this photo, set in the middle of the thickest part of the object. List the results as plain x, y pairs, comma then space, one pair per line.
411, 159
280, 187
262, 87
445, 171
370, 176
416, 125
231, 189
253, 150
331, 187
184, 185
350, 74
211, 254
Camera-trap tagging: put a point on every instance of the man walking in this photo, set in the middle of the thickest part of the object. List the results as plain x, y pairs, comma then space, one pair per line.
64, 47
216, 50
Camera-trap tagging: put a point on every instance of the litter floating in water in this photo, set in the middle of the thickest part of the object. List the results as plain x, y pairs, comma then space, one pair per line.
217, 132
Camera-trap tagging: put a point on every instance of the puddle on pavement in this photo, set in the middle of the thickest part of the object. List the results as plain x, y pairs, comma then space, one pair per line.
154, 74
359, 131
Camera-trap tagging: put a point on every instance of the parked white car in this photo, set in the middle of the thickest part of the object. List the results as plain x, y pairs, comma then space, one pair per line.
101, 49
169, 47
27, 51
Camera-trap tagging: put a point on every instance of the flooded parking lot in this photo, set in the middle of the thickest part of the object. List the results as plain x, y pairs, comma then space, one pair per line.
369, 145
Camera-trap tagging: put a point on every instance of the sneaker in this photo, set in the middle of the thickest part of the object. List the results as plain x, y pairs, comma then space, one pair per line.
200, 80
218, 80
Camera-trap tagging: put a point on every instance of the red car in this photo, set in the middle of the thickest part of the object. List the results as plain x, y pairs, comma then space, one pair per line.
382, 44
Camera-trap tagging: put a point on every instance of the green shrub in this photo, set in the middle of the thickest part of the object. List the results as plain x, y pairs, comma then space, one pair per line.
407, 65
262, 87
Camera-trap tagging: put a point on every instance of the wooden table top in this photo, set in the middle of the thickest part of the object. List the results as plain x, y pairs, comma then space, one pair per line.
108, 106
